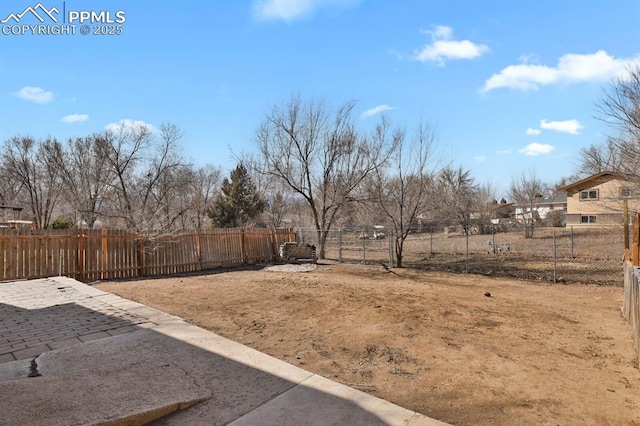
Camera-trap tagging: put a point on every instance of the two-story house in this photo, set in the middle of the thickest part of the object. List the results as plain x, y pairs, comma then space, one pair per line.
598, 199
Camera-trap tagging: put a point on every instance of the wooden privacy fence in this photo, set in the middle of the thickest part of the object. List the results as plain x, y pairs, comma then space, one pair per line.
631, 306
631, 303
90, 255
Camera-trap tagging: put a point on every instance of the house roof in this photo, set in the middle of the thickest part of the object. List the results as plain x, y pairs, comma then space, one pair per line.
504, 209
594, 180
547, 200
553, 199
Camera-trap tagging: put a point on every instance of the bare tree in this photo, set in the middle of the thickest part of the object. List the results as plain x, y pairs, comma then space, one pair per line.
402, 188
620, 104
132, 178
83, 174
457, 192
485, 207
142, 170
123, 151
319, 156
277, 195
525, 190
278, 205
11, 193
202, 187
619, 154
620, 108
29, 163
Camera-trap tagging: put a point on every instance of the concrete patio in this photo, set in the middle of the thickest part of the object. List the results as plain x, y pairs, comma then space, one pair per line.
74, 355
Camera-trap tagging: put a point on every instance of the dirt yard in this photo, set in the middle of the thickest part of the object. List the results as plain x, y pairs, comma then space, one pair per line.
464, 349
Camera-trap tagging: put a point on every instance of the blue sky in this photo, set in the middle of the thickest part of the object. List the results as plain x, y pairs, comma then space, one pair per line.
510, 85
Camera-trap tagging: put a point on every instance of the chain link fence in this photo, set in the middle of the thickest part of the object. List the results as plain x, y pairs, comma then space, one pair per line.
353, 245
571, 254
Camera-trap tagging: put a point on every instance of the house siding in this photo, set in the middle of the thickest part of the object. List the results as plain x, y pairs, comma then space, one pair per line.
607, 208
606, 219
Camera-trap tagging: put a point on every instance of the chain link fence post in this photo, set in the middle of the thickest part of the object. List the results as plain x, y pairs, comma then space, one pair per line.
555, 260
466, 258
493, 240
431, 241
364, 237
572, 256
391, 240
340, 245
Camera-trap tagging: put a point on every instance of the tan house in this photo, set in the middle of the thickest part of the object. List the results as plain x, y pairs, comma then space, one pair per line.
597, 200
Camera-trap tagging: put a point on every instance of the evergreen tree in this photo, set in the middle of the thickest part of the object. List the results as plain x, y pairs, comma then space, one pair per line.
239, 204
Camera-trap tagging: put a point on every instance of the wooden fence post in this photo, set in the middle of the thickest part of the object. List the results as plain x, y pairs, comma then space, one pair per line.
636, 239
243, 247
141, 257
80, 256
273, 240
625, 223
199, 248
105, 255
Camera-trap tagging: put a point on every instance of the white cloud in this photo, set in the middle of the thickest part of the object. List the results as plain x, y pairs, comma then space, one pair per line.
571, 68
533, 132
291, 10
529, 58
480, 158
376, 110
127, 125
34, 94
535, 148
504, 151
74, 118
569, 126
443, 47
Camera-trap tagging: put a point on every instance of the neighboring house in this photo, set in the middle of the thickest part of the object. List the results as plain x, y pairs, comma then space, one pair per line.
542, 207
597, 200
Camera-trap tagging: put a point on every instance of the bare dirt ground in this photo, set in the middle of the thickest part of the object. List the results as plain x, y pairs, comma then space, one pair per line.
431, 342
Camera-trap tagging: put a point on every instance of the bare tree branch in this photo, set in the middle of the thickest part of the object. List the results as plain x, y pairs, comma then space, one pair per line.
525, 190
403, 185
319, 156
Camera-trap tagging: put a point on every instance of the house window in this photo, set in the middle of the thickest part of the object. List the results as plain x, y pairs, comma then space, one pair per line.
625, 192
587, 219
589, 194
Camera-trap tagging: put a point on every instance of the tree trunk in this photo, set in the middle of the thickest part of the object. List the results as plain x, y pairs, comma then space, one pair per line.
320, 252
528, 230
399, 249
